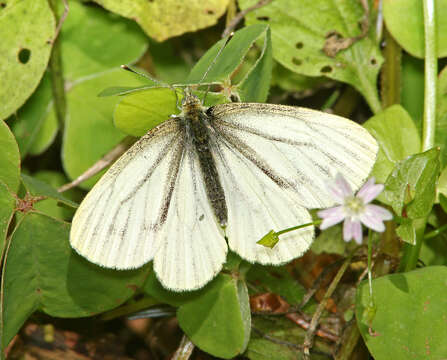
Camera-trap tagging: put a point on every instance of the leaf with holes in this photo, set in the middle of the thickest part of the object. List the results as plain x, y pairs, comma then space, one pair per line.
93, 41
43, 273
163, 19
300, 33
24, 49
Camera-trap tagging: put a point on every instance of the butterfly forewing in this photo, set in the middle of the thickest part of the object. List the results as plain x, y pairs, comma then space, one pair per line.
299, 149
116, 224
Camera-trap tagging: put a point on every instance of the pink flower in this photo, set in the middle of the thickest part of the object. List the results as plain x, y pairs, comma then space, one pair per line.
355, 209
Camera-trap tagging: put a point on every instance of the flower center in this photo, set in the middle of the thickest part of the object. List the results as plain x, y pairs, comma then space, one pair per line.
354, 206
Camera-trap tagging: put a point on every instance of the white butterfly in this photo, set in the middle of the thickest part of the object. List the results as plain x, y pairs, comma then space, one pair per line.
232, 171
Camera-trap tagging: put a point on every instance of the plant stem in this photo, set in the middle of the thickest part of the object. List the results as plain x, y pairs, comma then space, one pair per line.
435, 232
317, 222
57, 78
391, 72
308, 340
411, 253
431, 73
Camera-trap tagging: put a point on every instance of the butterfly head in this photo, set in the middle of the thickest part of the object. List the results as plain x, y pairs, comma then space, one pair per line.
190, 103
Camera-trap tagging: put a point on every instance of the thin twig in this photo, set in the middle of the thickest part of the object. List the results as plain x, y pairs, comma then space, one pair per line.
275, 340
61, 20
233, 23
317, 283
308, 340
102, 163
184, 350
305, 324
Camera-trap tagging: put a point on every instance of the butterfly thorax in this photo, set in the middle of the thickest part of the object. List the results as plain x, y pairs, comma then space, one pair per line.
197, 125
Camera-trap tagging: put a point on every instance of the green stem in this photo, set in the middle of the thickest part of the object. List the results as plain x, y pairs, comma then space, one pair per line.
317, 222
371, 301
411, 253
370, 93
436, 232
308, 339
57, 78
431, 72
391, 72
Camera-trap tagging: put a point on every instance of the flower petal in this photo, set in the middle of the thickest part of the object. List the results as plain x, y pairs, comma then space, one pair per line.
343, 185
379, 211
357, 231
331, 216
348, 229
369, 191
373, 222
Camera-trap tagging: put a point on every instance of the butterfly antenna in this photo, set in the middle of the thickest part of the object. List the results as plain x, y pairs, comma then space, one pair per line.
227, 39
161, 83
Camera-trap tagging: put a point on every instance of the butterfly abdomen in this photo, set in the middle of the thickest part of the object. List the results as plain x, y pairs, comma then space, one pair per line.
196, 120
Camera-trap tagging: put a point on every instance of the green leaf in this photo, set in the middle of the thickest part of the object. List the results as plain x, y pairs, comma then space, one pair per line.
413, 88
24, 50
442, 182
397, 137
39, 188
10, 159
9, 179
434, 251
291, 81
164, 19
30, 126
330, 241
411, 309
407, 27
114, 43
43, 273
230, 57
441, 118
218, 320
299, 36
94, 40
279, 338
141, 111
167, 65
52, 207
277, 280
412, 184
7, 206
406, 231
89, 130
256, 84
443, 202
154, 288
